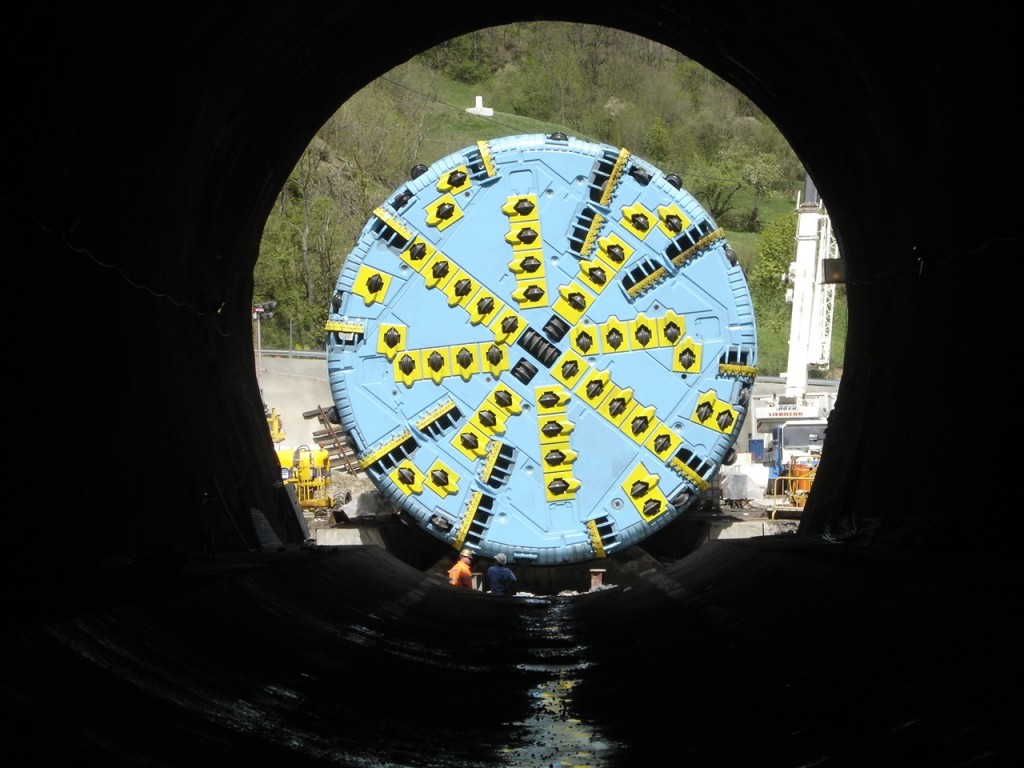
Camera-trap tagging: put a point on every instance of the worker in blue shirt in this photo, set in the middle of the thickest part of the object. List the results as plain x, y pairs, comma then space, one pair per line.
500, 576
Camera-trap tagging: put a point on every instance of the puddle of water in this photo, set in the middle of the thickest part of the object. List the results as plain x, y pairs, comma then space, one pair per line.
551, 737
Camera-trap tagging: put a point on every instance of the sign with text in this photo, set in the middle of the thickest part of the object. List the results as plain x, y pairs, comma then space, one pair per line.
788, 411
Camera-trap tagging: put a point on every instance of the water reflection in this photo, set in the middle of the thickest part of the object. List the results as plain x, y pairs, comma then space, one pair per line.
552, 737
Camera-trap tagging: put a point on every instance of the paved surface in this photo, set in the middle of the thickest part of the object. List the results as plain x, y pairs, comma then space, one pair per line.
293, 386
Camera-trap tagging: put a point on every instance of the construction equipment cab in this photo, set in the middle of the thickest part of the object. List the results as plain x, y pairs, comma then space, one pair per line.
794, 440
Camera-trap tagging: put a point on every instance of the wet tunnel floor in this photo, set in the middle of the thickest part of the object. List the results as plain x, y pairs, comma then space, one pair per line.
755, 652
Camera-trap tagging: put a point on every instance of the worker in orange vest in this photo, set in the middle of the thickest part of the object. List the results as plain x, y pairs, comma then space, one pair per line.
460, 575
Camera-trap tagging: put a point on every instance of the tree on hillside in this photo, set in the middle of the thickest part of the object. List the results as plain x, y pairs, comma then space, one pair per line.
298, 264
604, 84
357, 158
736, 165
768, 292
470, 58
547, 82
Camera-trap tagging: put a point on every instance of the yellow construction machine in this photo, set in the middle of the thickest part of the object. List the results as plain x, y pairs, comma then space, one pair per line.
309, 470
275, 425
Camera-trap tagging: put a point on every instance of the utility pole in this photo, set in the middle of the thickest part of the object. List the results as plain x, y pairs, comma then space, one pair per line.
259, 312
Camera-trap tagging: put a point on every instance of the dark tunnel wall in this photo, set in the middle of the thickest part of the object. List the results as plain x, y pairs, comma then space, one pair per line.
143, 166
143, 153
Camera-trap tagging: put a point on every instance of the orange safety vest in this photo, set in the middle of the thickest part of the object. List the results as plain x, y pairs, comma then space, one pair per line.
460, 575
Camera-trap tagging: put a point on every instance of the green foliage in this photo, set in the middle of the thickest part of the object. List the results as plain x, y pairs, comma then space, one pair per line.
776, 252
591, 82
777, 249
658, 141
468, 59
768, 292
840, 323
735, 166
745, 245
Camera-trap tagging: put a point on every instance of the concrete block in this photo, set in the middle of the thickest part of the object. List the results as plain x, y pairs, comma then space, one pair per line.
341, 537
743, 481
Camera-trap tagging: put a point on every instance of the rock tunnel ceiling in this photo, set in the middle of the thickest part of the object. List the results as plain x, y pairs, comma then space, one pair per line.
542, 346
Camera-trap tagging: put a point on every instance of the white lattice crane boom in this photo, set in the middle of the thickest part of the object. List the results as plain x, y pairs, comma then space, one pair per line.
813, 299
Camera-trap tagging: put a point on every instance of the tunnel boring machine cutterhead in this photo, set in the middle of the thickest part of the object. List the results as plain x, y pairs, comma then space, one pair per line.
541, 346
